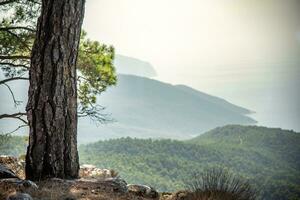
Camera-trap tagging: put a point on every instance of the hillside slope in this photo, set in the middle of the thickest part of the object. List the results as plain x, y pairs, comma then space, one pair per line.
271, 141
141, 107
270, 159
144, 108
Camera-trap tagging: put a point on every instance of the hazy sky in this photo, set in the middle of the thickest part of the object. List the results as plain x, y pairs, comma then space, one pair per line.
188, 38
247, 51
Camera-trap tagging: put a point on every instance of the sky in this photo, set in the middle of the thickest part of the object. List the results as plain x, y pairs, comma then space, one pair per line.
190, 38
246, 51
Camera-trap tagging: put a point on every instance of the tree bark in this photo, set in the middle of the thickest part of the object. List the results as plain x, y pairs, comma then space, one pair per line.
52, 96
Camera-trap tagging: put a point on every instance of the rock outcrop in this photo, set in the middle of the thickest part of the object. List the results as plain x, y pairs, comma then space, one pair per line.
95, 183
91, 171
14, 164
19, 196
6, 173
143, 190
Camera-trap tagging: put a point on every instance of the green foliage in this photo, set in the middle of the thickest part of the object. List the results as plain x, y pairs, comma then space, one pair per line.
12, 145
17, 35
95, 63
268, 158
220, 184
95, 60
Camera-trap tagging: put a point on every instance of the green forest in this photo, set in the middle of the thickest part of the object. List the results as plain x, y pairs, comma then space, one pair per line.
269, 158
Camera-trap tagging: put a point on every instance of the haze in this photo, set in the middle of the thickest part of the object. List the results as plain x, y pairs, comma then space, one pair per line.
244, 51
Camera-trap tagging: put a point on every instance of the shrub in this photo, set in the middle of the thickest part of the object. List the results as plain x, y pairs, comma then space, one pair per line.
219, 184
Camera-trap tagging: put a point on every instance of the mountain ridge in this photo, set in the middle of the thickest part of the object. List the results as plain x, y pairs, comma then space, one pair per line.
165, 164
144, 107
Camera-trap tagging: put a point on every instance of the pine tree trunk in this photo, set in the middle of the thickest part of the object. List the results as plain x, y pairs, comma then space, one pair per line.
52, 96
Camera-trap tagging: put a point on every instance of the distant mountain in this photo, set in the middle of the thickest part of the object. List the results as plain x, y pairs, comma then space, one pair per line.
144, 108
123, 64
221, 102
268, 157
133, 66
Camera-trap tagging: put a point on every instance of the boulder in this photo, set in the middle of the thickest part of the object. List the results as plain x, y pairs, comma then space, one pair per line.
6, 173
143, 190
17, 185
91, 171
19, 196
113, 185
14, 164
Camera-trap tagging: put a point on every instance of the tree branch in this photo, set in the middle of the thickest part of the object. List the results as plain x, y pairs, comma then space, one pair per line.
2, 3
15, 116
16, 28
21, 126
94, 113
14, 65
13, 79
3, 57
20, 40
13, 96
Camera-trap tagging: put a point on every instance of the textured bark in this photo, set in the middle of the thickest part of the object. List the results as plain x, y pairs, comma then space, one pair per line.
52, 96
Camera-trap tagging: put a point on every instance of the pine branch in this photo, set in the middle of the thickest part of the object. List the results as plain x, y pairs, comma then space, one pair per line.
13, 79
2, 3
14, 65
18, 116
8, 57
17, 28
16, 102
21, 126
19, 39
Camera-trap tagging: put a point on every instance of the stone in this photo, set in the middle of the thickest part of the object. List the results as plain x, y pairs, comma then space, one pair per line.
29, 184
143, 190
118, 184
113, 185
19, 196
6, 173
91, 171
16, 184
14, 164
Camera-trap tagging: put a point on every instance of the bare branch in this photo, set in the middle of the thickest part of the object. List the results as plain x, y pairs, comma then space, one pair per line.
2, 3
36, 2
18, 116
8, 57
94, 112
14, 65
13, 79
21, 126
17, 28
13, 96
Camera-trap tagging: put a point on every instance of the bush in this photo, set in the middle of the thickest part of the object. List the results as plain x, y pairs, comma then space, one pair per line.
12, 145
219, 184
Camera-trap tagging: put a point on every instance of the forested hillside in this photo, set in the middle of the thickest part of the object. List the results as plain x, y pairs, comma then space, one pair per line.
268, 157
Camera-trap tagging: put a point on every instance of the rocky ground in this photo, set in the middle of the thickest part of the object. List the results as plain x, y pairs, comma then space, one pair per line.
94, 184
